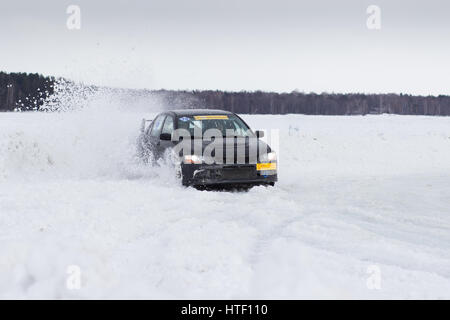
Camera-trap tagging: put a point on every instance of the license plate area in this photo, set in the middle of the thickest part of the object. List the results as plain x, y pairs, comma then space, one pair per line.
266, 166
237, 173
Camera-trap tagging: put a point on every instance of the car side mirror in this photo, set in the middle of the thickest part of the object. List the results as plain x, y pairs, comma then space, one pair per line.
259, 133
165, 136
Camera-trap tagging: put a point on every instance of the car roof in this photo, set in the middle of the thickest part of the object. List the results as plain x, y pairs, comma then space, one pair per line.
197, 112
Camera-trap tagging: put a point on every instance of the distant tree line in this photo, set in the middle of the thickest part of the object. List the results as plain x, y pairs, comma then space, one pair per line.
23, 90
28, 91
323, 104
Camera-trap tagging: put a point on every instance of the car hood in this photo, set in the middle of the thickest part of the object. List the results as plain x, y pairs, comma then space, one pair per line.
243, 148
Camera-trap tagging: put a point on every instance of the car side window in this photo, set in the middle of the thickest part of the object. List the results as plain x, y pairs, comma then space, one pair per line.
157, 125
168, 125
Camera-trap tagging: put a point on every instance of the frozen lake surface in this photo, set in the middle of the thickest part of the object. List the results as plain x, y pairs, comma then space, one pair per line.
361, 210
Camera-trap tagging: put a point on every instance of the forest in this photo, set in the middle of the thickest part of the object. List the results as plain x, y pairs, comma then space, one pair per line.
27, 92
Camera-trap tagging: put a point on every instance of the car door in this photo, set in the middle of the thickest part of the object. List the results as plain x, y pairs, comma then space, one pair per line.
153, 137
168, 130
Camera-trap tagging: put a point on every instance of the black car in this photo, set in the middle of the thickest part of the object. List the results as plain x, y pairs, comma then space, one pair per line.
210, 148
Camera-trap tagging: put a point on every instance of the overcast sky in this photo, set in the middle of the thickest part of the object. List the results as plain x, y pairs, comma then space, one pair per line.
281, 45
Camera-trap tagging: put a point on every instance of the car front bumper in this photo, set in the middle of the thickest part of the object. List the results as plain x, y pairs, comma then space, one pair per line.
225, 174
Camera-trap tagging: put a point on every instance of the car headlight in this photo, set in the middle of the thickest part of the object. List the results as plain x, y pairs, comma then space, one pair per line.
193, 159
268, 157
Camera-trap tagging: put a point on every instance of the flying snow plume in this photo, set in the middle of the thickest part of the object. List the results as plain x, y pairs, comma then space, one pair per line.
79, 131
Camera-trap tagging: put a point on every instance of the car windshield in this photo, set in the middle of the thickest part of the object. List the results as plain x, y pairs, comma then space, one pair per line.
229, 125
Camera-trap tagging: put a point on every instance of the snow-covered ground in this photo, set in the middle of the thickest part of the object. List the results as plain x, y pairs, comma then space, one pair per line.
359, 199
